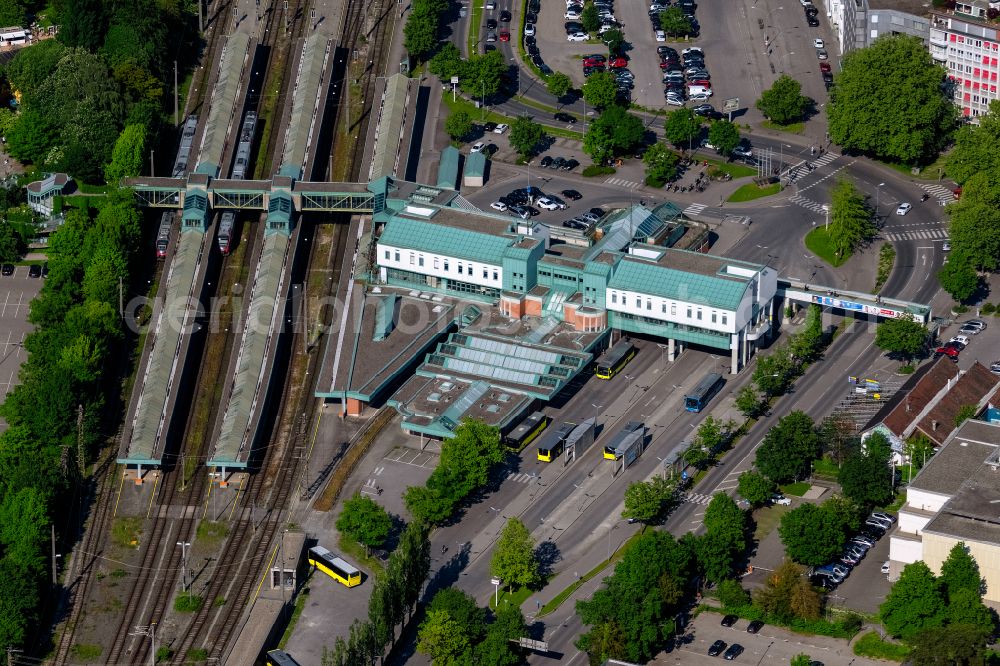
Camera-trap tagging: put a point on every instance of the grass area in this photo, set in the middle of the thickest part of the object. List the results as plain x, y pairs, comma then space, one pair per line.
356, 552
515, 598
300, 604
766, 519
825, 467
896, 503
84, 202
872, 645
818, 242
475, 18
797, 489
188, 603
191, 465
751, 191
93, 189
267, 114
561, 598
791, 128
886, 259
934, 170
125, 532
197, 655
733, 169
212, 531
87, 651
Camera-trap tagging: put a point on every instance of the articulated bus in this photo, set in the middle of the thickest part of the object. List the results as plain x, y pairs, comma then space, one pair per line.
280, 658
698, 398
614, 359
338, 569
526, 431
551, 445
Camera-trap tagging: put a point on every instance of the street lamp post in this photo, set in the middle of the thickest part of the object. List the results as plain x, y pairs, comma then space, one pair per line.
878, 189
663, 348
185, 546
610, 530
826, 210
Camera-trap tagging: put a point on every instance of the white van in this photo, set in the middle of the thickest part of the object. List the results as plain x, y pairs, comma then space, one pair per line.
699, 91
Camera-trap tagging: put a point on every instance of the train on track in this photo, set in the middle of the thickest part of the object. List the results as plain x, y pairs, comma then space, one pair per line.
163, 234
184, 150
243, 151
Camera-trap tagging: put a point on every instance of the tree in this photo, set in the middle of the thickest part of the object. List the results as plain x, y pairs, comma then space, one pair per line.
446, 63
726, 529
558, 84
30, 67
675, 22
783, 103
661, 164
589, 18
960, 571
128, 154
440, 637
810, 536
954, 644
615, 40
615, 131
807, 343
420, 32
526, 135
600, 90
866, 477
774, 372
966, 607
645, 500
914, 603
974, 224
458, 125
801, 659
787, 595
789, 448
713, 435
891, 100
724, 135
958, 276
903, 336
415, 553
965, 412
514, 560
462, 609
974, 151
731, 594
749, 402
365, 521
755, 488
483, 74
681, 126
497, 649
851, 222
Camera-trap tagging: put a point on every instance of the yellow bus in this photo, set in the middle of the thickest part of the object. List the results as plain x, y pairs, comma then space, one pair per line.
333, 566
552, 443
614, 359
527, 430
280, 658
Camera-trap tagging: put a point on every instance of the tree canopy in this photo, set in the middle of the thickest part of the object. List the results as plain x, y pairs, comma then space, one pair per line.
558, 84
787, 594
755, 488
675, 22
958, 276
514, 560
646, 500
890, 100
724, 135
866, 476
365, 521
902, 335
812, 534
526, 135
960, 571
974, 222
789, 448
851, 221
661, 164
784, 103
615, 131
975, 148
600, 90
681, 126
914, 603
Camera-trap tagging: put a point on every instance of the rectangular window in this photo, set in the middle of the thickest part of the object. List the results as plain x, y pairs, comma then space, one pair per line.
495, 275
397, 255
413, 258
614, 298
664, 307
673, 309
486, 273
649, 304
699, 315
689, 312
436, 263
713, 317
387, 254
420, 260
460, 268
446, 265
724, 318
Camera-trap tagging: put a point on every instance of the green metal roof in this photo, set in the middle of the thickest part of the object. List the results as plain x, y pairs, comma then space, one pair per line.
655, 280
475, 165
448, 168
385, 310
448, 241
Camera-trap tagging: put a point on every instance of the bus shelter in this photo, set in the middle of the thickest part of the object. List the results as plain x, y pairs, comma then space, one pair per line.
579, 440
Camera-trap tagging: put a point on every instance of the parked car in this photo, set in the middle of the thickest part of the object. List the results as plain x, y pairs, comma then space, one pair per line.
569, 165
818, 43
780, 499
950, 352
812, 21
572, 195
729, 620
978, 323
822, 54
477, 147
861, 538
504, 35
505, 16
8, 269
501, 128
716, 648
995, 367
499, 205
547, 204
960, 339
882, 515
34, 271
754, 627
885, 567
491, 24
734, 651
824, 67
577, 37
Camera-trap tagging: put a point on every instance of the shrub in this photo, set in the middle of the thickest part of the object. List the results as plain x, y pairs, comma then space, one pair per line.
732, 595
870, 645
598, 170
988, 308
163, 653
197, 655
187, 603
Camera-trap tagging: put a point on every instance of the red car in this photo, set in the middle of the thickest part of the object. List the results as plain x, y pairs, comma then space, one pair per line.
947, 350
504, 36
618, 63
824, 67
701, 82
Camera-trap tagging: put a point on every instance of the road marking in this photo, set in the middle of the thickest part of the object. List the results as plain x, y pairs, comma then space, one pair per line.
695, 209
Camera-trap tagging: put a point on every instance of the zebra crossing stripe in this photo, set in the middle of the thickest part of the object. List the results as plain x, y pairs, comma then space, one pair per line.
694, 209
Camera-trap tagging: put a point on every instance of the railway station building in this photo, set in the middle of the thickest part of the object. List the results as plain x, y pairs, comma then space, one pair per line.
468, 312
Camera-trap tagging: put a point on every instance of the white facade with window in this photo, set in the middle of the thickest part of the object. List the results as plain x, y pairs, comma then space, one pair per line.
439, 266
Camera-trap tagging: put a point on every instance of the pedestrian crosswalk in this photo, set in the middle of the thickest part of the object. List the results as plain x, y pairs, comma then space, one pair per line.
916, 234
621, 182
825, 159
695, 209
697, 498
807, 203
939, 192
520, 477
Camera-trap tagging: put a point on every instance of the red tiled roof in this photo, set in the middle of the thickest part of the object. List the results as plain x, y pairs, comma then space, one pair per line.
920, 395
970, 389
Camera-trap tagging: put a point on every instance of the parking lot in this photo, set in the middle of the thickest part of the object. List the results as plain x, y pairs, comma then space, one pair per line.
772, 645
16, 292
